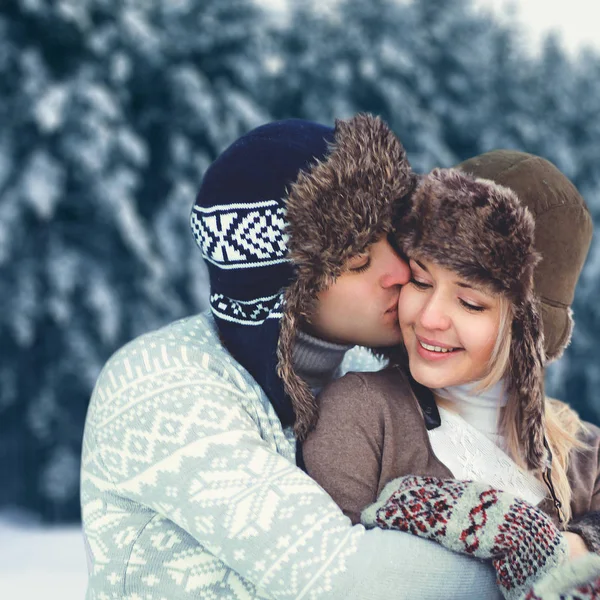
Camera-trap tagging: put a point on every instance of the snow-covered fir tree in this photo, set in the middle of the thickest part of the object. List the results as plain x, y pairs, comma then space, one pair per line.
111, 112
336, 60
113, 109
570, 97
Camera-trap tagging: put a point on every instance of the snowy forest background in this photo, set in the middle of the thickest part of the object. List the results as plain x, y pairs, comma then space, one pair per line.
111, 111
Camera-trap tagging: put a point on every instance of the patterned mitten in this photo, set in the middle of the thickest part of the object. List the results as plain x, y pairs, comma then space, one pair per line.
475, 519
575, 580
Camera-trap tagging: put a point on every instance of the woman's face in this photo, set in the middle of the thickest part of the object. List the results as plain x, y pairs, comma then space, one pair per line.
449, 326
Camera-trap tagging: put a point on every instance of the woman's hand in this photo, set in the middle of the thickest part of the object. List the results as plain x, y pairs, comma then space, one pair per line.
474, 519
576, 545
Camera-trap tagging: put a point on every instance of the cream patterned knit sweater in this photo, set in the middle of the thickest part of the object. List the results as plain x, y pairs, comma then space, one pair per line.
190, 490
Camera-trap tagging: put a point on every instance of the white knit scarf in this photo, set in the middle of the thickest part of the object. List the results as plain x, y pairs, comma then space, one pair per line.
469, 444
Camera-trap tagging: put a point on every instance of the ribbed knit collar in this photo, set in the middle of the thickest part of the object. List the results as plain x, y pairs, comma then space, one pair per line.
481, 410
316, 361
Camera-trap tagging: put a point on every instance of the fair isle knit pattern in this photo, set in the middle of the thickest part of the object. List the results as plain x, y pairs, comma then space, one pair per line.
477, 520
247, 312
189, 486
241, 236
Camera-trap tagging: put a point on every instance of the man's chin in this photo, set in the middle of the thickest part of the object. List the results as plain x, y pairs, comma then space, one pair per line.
387, 341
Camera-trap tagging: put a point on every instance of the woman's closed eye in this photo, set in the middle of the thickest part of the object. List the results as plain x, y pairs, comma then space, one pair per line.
423, 285
420, 285
472, 307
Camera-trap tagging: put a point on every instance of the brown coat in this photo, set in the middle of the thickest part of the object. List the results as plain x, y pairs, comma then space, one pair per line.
371, 430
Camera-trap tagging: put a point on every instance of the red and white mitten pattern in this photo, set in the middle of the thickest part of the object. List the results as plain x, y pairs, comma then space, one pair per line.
475, 519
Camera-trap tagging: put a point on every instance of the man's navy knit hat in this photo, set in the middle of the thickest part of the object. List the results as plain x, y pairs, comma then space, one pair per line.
239, 222
278, 214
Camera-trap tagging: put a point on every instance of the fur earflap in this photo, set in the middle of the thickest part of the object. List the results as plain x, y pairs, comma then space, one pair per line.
525, 380
481, 231
340, 206
334, 211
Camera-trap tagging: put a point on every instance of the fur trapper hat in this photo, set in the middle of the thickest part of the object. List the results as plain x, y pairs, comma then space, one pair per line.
334, 212
277, 216
563, 232
481, 231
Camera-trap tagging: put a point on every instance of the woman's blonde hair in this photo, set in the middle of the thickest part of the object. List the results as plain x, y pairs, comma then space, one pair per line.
561, 423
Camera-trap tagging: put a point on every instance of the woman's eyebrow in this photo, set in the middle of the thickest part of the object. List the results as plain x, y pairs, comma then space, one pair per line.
475, 288
462, 284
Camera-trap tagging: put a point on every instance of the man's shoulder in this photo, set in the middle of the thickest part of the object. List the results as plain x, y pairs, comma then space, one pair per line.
190, 344
197, 331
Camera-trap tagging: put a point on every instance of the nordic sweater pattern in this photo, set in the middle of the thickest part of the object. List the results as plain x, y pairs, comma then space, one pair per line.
168, 481
189, 489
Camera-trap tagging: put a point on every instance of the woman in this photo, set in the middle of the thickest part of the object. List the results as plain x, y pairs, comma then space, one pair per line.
472, 326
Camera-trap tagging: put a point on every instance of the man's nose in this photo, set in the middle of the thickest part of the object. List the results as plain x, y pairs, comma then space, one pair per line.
397, 271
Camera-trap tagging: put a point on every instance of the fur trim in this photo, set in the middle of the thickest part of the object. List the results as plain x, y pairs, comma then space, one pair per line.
553, 354
480, 230
588, 527
335, 210
526, 380
494, 233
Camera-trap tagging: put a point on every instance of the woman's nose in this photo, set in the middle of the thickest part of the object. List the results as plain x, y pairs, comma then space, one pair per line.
433, 315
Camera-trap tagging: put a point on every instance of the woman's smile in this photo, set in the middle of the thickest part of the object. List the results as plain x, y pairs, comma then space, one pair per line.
434, 350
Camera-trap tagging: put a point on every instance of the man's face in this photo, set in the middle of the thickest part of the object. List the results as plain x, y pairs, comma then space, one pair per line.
361, 307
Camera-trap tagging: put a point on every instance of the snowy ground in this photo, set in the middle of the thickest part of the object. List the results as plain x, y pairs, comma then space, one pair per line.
41, 563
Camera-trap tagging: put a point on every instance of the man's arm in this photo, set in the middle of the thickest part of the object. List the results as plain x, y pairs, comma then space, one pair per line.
210, 466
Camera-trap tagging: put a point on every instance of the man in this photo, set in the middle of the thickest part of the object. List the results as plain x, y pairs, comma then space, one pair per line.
190, 487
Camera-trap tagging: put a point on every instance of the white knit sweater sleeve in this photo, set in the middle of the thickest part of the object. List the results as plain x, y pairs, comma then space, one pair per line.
189, 490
